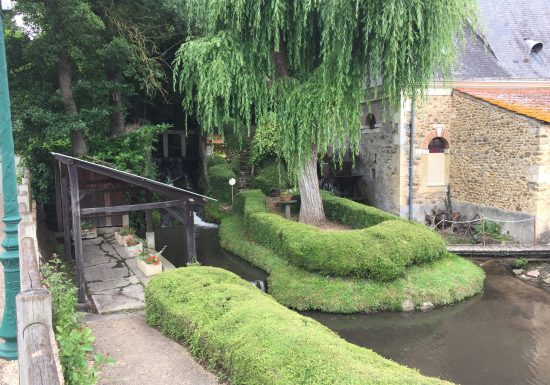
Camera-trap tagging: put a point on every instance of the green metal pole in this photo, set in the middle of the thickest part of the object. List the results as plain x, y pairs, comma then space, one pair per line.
10, 256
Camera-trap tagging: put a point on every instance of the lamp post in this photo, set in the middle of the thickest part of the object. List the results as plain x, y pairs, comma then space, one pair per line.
10, 255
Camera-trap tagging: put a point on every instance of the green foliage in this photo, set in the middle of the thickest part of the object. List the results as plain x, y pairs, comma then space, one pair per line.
75, 341
382, 251
214, 212
130, 152
264, 143
215, 160
237, 330
444, 281
491, 228
218, 186
270, 177
353, 214
520, 263
324, 53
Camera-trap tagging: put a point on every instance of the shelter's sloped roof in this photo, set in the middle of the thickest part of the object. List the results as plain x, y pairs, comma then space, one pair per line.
504, 25
534, 103
159, 187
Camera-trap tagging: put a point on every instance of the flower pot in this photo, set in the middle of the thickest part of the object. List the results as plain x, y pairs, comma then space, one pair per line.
133, 251
89, 233
149, 270
122, 239
286, 198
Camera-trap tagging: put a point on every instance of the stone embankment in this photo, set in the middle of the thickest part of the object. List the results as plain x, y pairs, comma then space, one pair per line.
538, 274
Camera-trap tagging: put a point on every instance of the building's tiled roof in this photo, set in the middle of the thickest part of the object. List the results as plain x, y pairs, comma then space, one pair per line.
534, 103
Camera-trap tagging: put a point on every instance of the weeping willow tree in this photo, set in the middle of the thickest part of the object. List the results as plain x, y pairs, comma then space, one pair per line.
308, 65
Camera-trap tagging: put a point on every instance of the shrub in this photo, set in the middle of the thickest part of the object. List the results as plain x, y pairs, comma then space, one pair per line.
75, 340
520, 263
382, 251
270, 178
353, 214
215, 160
218, 186
444, 281
238, 330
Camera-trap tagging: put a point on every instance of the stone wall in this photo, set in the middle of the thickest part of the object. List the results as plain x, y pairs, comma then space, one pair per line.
378, 162
495, 156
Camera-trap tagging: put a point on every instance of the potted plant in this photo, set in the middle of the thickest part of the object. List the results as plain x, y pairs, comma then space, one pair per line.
286, 195
134, 246
149, 262
124, 234
88, 230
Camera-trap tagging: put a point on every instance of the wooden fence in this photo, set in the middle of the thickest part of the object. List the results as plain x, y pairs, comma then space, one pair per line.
38, 363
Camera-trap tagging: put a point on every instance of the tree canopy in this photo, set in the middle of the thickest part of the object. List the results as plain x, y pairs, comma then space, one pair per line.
309, 62
308, 65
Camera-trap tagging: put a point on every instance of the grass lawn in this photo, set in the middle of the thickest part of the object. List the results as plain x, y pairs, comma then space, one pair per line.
444, 281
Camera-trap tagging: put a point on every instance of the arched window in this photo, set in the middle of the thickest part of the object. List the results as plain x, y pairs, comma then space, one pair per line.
370, 121
437, 145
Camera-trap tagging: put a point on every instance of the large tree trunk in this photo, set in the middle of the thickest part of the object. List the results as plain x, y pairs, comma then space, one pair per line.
311, 207
116, 119
64, 73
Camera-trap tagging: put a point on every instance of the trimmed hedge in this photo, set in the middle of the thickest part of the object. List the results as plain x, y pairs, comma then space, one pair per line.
248, 338
382, 251
444, 281
353, 214
218, 186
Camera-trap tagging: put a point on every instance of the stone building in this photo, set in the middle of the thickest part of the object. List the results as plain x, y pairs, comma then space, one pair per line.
486, 134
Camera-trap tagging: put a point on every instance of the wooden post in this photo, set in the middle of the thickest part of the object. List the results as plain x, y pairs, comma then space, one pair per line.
483, 230
65, 215
535, 230
190, 231
165, 145
58, 211
150, 233
125, 220
77, 233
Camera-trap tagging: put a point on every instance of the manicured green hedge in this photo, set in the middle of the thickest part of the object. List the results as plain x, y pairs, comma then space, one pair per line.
444, 281
218, 186
248, 338
382, 251
215, 160
353, 214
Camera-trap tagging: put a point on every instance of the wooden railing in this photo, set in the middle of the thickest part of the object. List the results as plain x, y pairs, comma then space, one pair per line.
35, 339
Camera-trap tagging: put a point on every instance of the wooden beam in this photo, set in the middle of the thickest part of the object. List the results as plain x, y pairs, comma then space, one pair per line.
65, 213
165, 145
148, 213
190, 232
77, 232
58, 212
128, 208
176, 215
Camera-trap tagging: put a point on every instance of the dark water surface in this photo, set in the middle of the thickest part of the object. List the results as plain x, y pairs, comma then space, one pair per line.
501, 337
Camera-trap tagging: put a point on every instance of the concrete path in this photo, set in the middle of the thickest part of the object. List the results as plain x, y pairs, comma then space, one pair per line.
144, 356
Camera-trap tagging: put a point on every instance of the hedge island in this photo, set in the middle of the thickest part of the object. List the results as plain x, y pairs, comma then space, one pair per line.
248, 338
376, 266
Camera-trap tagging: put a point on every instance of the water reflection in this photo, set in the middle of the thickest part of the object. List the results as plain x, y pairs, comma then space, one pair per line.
501, 337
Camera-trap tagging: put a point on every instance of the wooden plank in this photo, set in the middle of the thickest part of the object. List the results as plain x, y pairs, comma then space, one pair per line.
190, 232
34, 322
165, 145
65, 213
128, 208
58, 211
77, 233
28, 265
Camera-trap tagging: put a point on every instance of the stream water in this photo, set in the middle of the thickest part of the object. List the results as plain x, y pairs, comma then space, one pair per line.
501, 337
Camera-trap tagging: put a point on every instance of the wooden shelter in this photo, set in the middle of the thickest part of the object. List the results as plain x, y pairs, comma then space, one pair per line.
90, 190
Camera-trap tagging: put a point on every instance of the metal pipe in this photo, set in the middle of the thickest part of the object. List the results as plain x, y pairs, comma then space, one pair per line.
411, 159
10, 256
